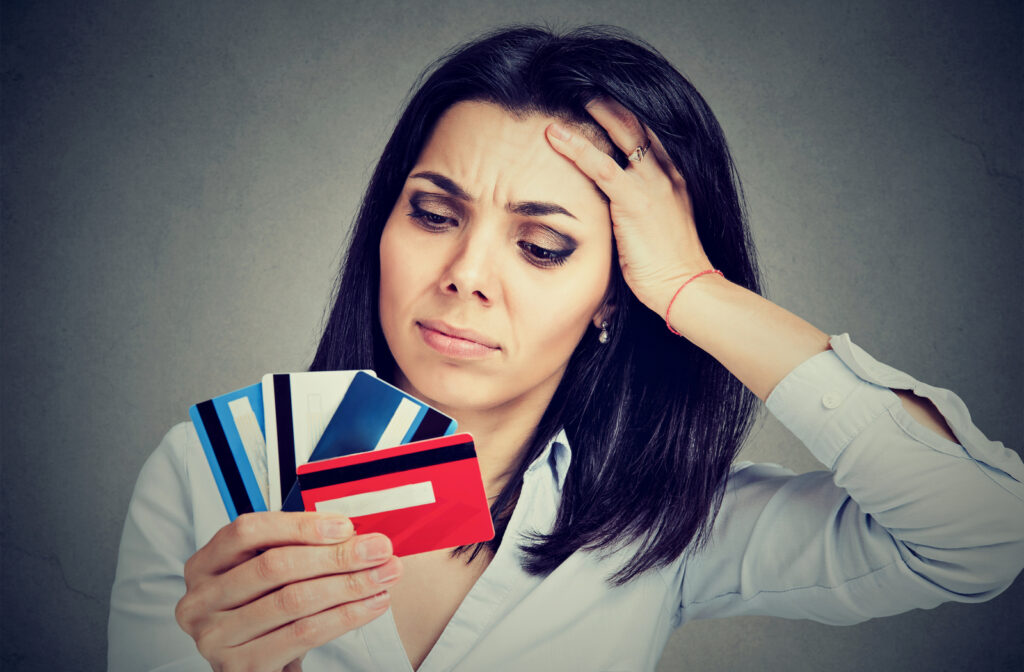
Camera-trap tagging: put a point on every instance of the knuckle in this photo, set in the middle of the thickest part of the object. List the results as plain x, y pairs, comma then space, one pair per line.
307, 631
354, 583
272, 565
342, 556
607, 169
194, 609
308, 528
292, 599
183, 613
245, 528
347, 616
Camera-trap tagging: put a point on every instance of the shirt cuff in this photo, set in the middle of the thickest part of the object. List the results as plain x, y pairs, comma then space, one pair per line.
825, 403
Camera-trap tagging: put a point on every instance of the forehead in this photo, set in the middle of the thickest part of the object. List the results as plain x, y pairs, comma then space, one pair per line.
494, 155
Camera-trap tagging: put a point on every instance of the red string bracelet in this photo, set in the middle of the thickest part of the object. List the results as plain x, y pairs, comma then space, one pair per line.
681, 288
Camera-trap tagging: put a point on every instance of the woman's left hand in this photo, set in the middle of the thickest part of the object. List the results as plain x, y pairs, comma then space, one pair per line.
652, 218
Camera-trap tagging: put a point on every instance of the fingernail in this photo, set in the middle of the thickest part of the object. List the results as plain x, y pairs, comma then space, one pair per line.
374, 548
386, 573
560, 132
377, 601
335, 528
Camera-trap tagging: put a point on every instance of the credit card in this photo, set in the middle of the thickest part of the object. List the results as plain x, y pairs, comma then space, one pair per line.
231, 430
373, 415
298, 407
424, 496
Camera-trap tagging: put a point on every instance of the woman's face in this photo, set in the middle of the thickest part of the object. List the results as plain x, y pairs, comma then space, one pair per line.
494, 262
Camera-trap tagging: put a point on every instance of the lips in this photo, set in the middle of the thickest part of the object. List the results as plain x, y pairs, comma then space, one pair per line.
464, 334
454, 341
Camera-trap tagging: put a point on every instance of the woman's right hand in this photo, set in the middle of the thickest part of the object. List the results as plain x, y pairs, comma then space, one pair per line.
271, 586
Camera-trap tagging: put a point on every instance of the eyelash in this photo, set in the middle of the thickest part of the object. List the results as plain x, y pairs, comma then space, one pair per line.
535, 254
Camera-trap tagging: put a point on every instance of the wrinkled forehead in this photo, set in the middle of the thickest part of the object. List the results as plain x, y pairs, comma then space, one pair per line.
483, 144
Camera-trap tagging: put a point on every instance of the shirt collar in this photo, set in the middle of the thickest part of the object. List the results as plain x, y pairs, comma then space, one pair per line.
556, 456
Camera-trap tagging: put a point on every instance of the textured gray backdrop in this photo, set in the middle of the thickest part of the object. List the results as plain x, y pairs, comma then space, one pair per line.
178, 179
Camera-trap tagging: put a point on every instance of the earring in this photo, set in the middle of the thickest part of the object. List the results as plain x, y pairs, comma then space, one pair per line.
602, 338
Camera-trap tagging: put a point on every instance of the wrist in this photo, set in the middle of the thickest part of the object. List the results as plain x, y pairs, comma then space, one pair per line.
659, 295
692, 287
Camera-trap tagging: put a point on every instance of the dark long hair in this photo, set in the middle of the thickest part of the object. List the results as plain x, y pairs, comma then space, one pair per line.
653, 421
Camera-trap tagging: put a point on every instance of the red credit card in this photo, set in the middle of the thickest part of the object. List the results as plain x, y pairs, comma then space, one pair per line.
424, 496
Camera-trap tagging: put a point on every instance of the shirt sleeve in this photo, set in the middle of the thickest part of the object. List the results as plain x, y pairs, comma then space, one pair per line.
158, 538
904, 518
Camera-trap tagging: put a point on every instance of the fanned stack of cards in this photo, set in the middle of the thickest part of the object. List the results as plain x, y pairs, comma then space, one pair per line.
350, 443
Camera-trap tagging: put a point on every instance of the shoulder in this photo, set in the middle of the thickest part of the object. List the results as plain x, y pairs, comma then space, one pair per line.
171, 456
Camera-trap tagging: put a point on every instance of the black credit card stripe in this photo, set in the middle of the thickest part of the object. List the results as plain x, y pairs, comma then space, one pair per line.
434, 424
285, 432
225, 460
387, 465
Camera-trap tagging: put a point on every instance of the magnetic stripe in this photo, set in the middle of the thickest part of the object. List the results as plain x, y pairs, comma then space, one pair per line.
285, 433
387, 465
225, 461
435, 424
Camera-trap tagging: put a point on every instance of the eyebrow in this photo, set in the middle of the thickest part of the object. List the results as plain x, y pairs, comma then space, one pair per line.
525, 208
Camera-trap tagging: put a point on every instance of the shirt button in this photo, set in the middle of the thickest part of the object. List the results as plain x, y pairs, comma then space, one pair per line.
831, 400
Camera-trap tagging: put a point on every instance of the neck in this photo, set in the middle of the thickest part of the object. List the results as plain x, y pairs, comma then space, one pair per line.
501, 437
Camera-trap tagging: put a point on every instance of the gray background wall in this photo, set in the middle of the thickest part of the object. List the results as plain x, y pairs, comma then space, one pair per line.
178, 179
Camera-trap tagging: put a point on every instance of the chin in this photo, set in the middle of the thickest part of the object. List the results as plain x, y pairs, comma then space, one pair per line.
450, 388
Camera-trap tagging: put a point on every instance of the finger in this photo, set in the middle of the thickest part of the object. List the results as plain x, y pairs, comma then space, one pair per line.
294, 666
305, 598
594, 163
290, 641
252, 533
623, 128
664, 160
627, 132
283, 565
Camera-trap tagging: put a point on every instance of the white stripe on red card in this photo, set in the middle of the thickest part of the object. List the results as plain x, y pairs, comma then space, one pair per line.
379, 501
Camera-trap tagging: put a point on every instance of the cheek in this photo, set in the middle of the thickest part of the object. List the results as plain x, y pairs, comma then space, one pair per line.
402, 270
555, 321
395, 277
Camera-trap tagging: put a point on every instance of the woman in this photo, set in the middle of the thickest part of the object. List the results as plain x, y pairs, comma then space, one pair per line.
552, 251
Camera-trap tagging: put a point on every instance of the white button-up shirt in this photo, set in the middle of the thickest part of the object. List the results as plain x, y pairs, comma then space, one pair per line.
902, 519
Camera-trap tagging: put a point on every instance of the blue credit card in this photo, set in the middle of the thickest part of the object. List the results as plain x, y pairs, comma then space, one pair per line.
374, 415
232, 432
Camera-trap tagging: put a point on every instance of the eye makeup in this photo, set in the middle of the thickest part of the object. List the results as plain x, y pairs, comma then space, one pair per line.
539, 244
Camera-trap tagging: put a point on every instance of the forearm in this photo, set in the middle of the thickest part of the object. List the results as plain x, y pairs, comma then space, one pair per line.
761, 342
756, 340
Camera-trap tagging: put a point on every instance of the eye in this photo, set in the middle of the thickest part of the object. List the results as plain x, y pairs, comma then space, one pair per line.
542, 256
431, 221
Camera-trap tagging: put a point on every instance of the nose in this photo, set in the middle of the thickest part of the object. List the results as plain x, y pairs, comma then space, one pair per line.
472, 270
